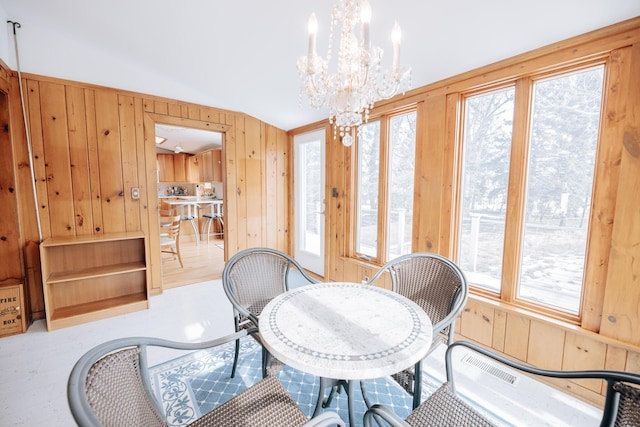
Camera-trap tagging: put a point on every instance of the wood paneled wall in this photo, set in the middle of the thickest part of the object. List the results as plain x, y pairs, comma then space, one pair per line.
11, 268
92, 145
609, 335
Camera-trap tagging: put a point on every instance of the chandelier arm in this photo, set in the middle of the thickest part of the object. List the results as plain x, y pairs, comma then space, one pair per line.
359, 81
318, 93
388, 92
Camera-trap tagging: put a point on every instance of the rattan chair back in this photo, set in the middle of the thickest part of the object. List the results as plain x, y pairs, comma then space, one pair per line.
110, 386
437, 285
252, 278
627, 411
255, 276
434, 283
116, 393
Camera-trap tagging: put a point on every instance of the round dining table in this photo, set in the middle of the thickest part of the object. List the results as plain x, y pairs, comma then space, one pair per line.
345, 331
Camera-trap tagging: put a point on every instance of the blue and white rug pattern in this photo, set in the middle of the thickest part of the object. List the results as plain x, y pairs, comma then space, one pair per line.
196, 383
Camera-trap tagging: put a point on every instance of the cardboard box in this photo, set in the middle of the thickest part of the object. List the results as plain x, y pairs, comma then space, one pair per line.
12, 319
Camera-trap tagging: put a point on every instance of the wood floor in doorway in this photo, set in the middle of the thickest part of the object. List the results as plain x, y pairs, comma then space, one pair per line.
201, 262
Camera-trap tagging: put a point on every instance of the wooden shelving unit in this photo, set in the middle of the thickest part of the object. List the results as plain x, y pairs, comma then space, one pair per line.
93, 277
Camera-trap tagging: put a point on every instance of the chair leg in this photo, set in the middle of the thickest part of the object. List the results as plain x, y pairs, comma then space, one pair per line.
209, 222
236, 325
195, 231
417, 384
266, 360
178, 253
207, 226
221, 234
235, 359
205, 229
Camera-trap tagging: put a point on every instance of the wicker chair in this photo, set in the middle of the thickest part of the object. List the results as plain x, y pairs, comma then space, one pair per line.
110, 386
438, 286
251, 279
445, 408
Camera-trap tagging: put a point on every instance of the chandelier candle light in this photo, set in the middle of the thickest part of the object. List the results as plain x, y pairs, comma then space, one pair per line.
359, 80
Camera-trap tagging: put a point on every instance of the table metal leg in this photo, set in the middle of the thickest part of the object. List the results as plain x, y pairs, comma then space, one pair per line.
350, 402
331, 383
367, 402
324, 383
363, 389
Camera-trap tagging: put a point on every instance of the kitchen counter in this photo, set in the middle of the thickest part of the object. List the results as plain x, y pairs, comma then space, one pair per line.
190, 198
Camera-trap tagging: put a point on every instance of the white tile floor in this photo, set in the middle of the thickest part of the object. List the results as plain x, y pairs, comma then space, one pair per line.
34, 366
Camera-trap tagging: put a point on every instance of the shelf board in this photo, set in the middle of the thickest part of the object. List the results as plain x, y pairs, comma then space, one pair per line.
91, 238
88, 273
97, 308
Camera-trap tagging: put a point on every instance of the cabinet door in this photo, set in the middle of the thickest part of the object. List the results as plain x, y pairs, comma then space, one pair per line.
200, 161
206, 167
165, 168
217, 165
180, 167
193, 169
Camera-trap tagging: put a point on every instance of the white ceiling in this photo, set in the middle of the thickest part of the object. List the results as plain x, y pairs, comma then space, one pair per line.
191, 141
241, 55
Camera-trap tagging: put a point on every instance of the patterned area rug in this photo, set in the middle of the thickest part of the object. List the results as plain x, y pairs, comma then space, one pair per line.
196, 383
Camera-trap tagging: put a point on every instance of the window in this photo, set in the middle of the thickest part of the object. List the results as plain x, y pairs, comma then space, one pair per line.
562, 151
385, 171
485, 175
545, 206
368, 187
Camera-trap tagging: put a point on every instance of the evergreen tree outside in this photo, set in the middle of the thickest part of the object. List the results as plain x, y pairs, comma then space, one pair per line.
564, 122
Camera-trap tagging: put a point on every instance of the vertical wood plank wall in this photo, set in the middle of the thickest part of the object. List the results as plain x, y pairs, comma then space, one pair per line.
609, 336
92, 144
11, 266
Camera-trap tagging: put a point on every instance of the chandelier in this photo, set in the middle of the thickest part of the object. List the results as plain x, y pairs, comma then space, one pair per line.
359, 80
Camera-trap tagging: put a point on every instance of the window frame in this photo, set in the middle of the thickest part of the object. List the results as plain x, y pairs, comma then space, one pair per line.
383, 187
516, 188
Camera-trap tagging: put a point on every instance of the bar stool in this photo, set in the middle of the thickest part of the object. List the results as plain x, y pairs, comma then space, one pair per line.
192, 219
210, 218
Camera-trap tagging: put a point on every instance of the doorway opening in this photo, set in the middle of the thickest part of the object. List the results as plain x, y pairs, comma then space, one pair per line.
190, 184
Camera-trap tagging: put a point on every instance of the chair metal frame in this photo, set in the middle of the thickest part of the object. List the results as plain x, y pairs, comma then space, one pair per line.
621, 407
252, 278
420, 275
138, 384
